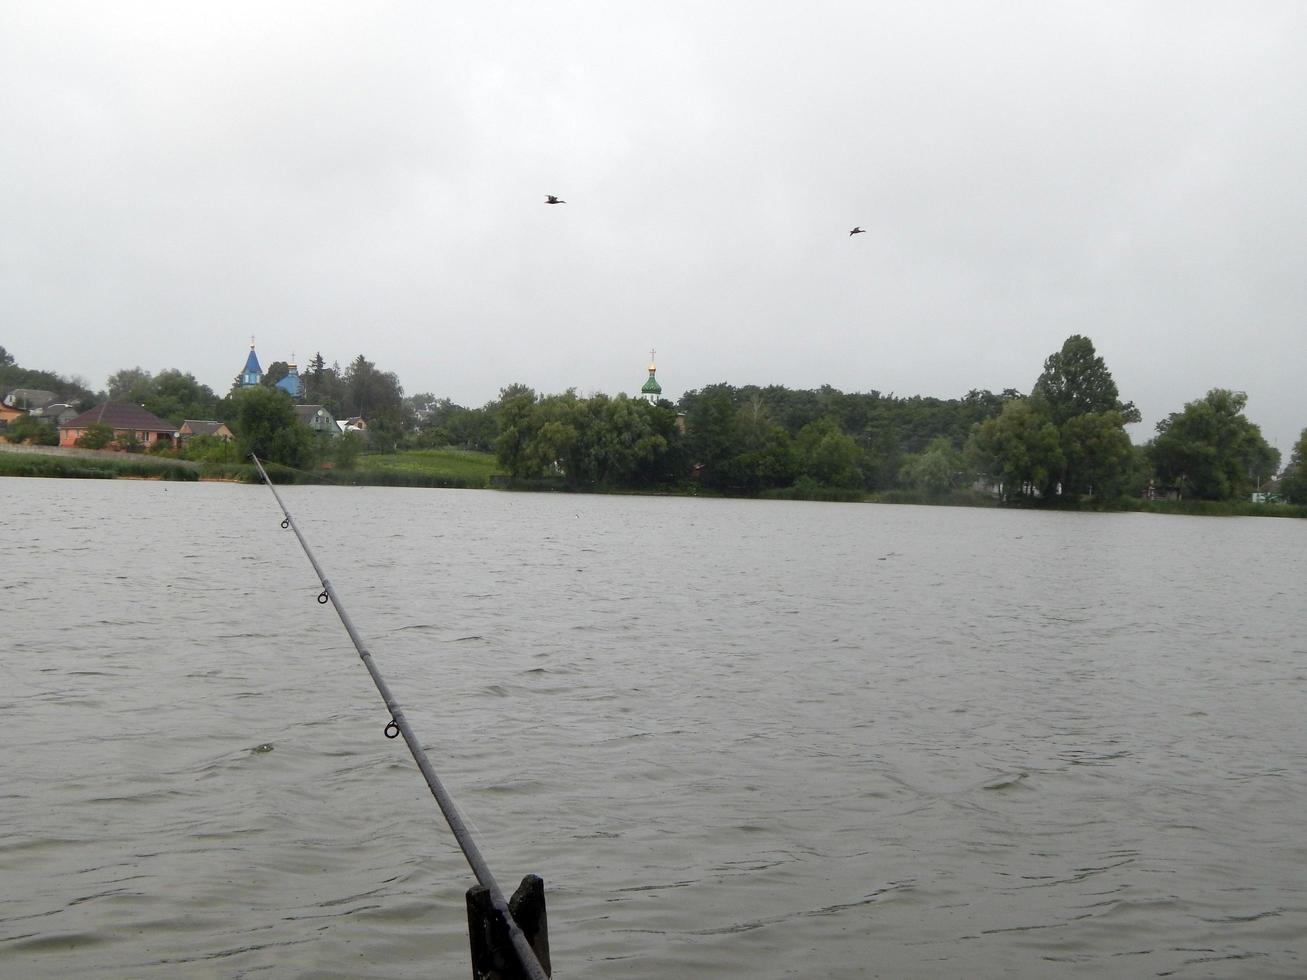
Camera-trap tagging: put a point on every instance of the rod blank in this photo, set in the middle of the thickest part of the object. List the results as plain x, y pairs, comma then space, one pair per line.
446, 803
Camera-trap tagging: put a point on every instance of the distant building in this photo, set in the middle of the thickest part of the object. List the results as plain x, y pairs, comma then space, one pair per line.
292, 384
652, 390
356, 424
55, 412
8, 413
125, 419
205, 427
29, 398
252, 375
316, 418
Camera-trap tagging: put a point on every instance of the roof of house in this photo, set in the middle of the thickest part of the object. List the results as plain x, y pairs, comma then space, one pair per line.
305, 413
120, 415
30, 397
55, 410
203, 427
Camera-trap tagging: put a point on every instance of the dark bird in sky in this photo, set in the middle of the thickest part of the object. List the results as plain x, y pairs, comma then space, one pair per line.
550, 199
858, 231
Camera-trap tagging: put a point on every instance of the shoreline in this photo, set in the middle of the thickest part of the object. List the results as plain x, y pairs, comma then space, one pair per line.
53, 462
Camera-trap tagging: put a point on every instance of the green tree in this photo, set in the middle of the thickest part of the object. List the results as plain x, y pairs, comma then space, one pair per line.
514, 415
765, 457
378, 397
175, 396
1076, 381
266, 425
324, 386
617, 438
33, 431
6, 358
828, 454
554, 445
345, 450
97, 436
712, 433
447, 424
276, 371
666, 463
1098, 454
1293, 485
210, 449
1019, 448
1078, 393
130, 385
1210, 450
937, 470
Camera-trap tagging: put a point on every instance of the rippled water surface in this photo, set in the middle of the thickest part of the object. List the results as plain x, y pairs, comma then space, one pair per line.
736, 739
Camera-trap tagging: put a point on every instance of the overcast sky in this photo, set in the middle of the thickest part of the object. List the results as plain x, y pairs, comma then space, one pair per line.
370, 177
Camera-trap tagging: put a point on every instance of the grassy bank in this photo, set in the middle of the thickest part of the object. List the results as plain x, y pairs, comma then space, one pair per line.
453, 468
418, 467
1221, 508
97, 468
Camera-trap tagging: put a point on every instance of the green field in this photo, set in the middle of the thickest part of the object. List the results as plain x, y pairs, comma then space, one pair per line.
458, 467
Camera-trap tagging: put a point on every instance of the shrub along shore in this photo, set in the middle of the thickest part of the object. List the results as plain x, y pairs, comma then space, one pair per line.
92, 465
454, 469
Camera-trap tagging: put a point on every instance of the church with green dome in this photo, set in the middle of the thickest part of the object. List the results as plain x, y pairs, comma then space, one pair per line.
652, 390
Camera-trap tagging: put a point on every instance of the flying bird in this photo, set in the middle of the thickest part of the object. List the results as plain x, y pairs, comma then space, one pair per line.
858, 231
550, 199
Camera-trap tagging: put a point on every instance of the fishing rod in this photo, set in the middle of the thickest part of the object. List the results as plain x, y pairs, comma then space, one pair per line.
399, 726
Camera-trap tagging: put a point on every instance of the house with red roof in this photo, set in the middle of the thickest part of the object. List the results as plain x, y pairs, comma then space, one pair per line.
130, 423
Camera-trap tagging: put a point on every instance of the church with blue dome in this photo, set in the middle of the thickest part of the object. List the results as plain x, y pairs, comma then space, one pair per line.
252, 376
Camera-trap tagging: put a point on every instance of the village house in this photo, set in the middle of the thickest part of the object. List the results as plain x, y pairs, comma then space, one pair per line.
356, 424
29, 398
130, 423
317, 418
56, 413
8, 413
205, 427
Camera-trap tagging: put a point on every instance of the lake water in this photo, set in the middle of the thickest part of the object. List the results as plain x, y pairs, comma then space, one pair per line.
736, 739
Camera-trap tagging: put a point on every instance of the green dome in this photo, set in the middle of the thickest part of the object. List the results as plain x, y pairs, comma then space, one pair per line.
651, 387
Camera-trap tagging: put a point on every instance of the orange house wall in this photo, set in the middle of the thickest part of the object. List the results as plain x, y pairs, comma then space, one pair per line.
69, 437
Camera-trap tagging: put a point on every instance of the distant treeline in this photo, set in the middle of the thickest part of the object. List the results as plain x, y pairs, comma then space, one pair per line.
1064, 442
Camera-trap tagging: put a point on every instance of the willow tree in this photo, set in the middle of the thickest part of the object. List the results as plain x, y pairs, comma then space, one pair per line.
1210, 450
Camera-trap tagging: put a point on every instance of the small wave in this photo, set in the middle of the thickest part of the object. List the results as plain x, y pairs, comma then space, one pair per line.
48, 942
1006, 782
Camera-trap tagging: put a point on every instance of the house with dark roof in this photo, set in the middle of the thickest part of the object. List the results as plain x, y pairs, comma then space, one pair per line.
317, 418
55, 413
29, 398
205, 427
130, 423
